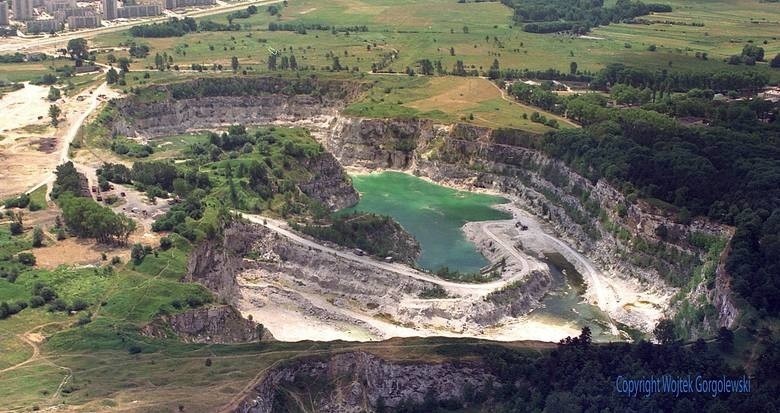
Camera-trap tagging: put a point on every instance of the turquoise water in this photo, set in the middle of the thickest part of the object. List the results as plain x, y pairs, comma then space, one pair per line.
432, 213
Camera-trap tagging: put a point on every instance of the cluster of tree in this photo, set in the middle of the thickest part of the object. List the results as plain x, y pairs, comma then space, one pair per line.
115, 172
242, 14
301, 28
537, 117
277, 61
577, 15
176, 218
377, 235
549, 74
539, 96
88, 219
128, 147
22, 201
68, 180
13, 58
174, 27
252, 86
579, 376
138, 51
155, 173
750, 55
212, 26
679, 81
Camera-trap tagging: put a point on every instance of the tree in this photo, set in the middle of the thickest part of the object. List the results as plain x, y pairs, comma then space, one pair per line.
234, 63
124, 64
426, 67
725, 339
775, 62
17, 225
137, 253
37, 240
112, 76
54, 114
495, 70
159, 63
54, 94
664, 332
751, 50
573, 68
77, 48
293, 63
272, 61
111, 59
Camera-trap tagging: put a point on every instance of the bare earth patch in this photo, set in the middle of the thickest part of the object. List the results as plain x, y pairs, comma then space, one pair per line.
75, 251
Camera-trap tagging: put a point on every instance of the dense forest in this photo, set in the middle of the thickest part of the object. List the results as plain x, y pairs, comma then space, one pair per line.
172, 28
728, 171
549, 16
581, 377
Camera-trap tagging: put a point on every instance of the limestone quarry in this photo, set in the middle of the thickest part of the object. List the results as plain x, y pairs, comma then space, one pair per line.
300, 288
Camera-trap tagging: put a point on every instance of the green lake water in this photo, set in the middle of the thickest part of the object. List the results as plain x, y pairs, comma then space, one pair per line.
435, 214
432, 213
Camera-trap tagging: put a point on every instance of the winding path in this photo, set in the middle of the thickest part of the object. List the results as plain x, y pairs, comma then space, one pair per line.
400, 269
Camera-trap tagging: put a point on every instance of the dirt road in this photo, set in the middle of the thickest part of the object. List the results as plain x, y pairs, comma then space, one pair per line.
453, 288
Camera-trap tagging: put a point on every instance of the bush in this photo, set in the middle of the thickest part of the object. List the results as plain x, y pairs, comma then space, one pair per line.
57, 305
78, 305
138, 253
165, 243
37, 240
37, 301
26, 258
134, 349
84, 320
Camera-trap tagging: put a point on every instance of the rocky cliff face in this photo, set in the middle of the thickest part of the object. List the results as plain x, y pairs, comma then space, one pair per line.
216, 262
355, 382
220, 325
329, 184
207, 103
630, 239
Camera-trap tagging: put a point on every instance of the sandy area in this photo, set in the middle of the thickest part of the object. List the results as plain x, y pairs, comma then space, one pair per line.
30, 155
24, 107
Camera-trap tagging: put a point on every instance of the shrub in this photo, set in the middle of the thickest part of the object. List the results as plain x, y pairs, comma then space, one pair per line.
165, 243
26, 258
37, 301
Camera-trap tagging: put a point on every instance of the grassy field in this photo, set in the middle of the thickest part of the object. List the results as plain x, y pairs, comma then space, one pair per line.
24, 72
478, 33
446, 99
418, 30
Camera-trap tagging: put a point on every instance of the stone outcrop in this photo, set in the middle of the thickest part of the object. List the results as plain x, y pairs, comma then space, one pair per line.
216, 262
356, 381
220, 325
329, 184
206, 103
